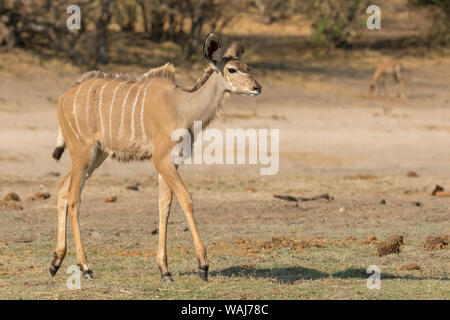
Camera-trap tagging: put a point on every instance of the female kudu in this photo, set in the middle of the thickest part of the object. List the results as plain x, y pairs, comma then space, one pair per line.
388, 69
106, 115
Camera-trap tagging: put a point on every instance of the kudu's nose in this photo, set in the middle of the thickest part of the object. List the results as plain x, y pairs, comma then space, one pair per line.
257, 88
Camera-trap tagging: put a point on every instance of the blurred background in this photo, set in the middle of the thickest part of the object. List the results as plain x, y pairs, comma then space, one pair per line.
135, 31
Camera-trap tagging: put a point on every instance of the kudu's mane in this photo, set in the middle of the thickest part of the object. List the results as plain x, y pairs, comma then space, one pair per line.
166, 71
200, 82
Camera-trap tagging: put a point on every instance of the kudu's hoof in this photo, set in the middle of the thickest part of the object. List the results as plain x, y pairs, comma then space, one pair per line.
54, 266
53, 269
87, 274
167, 278
203, 274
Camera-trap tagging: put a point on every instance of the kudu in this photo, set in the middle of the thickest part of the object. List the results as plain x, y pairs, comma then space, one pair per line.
133, 119
384, 70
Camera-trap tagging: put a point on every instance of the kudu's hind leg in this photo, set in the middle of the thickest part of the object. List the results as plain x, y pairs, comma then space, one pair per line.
81, 171
402, 89
165, 201
400, 83
61, 245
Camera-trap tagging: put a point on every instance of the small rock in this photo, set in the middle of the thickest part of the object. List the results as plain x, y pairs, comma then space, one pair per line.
341, 210
383, 202
412, 174
417, 203
95, 234
110, 199
436, 243
154, 231
390, 245
134, 187
39, 196
13, 206
186, 229
250, 190
12, 196
53, 174
410, 266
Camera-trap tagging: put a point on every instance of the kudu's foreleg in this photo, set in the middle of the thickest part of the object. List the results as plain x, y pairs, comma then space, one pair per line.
168, 171
401, 83
165, 201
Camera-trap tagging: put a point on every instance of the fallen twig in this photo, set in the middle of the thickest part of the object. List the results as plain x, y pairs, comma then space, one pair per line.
294, 199
287, 198
439, 192
127, 292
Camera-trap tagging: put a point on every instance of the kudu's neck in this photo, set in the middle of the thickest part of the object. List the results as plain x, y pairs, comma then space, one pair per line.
200, 105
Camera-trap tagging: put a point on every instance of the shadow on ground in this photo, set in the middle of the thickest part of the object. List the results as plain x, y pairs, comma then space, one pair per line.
293, 274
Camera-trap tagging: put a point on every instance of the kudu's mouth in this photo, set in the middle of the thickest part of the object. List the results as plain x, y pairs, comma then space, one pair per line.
256, 91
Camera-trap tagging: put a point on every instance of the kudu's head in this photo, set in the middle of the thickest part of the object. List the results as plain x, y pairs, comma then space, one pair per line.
234, 73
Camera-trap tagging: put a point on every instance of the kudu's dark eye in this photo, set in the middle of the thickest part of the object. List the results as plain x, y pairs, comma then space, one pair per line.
231, 70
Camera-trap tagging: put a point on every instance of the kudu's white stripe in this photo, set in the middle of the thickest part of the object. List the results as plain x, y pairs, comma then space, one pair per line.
74, 112
71, 127
100, 103
144, 135
133, 109
111, 109
65, 117
123, 109
87, 105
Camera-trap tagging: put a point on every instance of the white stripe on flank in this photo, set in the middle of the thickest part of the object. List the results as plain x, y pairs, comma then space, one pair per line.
111, 110
100, 103
123, 109
133, 112
87, 105
65, 117
144, 135
72, 128
74, 112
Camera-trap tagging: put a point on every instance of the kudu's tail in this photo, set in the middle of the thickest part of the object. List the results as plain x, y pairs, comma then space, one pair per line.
60, 146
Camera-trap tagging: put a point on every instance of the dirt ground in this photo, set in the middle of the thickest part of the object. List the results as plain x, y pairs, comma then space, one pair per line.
334, 138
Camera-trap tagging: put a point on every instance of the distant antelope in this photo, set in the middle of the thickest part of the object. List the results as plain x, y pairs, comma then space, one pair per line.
389, 68
129, 120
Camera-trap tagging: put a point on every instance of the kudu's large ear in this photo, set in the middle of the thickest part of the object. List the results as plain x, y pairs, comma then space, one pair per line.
213, 49
234, 50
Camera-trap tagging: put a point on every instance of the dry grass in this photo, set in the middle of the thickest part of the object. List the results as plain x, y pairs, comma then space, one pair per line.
311, 251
